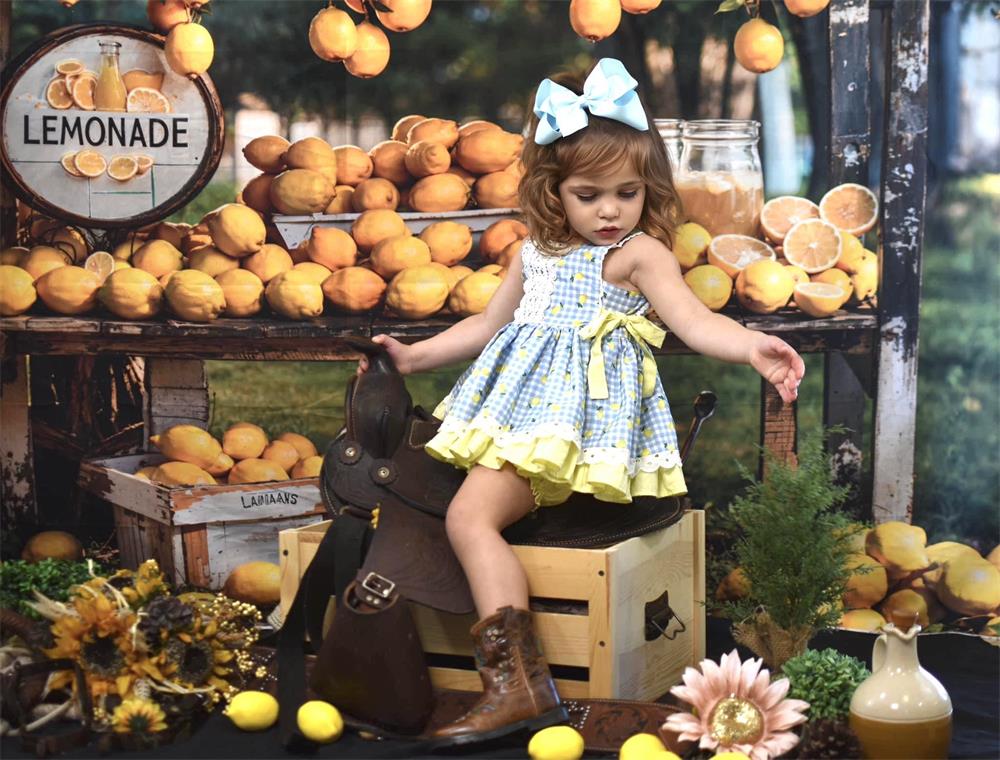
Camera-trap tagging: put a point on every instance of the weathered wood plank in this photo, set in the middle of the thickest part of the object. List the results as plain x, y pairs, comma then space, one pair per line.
176, 394
17, 479
904, 188
850, 148
326, 340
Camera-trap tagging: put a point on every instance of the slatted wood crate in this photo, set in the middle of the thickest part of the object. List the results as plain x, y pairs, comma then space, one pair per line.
198, 534
590, 609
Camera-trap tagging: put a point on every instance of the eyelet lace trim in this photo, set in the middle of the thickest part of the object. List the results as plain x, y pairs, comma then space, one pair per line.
566, 432
539, 282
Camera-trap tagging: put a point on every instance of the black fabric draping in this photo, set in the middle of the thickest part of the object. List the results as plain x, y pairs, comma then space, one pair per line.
968, 668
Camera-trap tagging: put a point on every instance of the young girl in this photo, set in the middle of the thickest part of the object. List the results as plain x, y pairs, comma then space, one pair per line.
563, 394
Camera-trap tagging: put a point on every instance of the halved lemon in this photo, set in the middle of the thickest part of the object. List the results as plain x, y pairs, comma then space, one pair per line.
813, 245
90, 163
69, 66
147, 100
144, 162
72, 79
100, 263
780, 214
731, 253
83, 92
836, 277
851, 207
819, 299
139, 78
68, 165
123, 168
57, 95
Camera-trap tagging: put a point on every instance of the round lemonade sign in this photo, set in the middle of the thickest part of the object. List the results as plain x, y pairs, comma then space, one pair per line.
99, 131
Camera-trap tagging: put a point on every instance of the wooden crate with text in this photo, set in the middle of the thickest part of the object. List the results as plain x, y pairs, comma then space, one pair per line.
198, 534
591, 609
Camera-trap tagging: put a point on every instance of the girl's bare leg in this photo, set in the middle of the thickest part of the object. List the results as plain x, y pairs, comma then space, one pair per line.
487, 502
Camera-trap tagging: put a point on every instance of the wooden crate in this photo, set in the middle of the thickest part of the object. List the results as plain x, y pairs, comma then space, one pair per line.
589, 608
198, 534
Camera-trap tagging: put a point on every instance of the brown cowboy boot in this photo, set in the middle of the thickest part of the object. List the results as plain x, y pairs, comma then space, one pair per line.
518, 692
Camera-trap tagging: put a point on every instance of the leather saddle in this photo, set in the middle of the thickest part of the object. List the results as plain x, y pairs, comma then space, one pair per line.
378, 462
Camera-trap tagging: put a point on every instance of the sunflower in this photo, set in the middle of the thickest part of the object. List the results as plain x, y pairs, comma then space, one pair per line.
197, 658
95, 629
736, 708
139, 717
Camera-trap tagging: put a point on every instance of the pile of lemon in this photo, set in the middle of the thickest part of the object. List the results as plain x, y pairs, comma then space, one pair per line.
810, 255
244, 455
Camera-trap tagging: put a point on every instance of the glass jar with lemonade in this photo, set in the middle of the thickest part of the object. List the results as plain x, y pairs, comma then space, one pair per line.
670, 133
110, 93
719, 178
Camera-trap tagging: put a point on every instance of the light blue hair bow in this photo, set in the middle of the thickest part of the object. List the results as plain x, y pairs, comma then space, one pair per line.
609, 92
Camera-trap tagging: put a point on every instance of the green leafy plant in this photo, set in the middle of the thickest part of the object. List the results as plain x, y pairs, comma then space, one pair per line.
826, 679
51, 577
792, 551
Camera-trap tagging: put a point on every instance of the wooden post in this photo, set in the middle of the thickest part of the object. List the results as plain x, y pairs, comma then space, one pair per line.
778, 428
904, 188
850, 147
177, 394
17, 482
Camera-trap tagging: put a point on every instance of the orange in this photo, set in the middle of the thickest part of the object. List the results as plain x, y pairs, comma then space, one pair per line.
780, 214
123, 168
100, 263
57, 95
69, 66
146, 100
731, 253
813, 245
90, 163
758, 46
852, 208
68, 165
819, 299
83, 92
144, 162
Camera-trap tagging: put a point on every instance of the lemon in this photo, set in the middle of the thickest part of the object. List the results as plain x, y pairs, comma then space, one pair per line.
865, 279
730, 756
320, 721
641, 747
690, 244
17, 291
818, 299
712, 286
253, 710
556, 743
764, 286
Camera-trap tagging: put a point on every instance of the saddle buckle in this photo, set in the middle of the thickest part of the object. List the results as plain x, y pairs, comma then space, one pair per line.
378, 585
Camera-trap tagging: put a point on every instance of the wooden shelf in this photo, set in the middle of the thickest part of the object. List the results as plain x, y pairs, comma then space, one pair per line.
324, 338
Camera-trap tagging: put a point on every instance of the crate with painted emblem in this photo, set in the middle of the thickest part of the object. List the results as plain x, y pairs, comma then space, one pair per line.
616, 622
198, 534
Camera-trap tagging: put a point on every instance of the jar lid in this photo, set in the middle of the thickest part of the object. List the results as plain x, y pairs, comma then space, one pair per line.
669, 127
721, 130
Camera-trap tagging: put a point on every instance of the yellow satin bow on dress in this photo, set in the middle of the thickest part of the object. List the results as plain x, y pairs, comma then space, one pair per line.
640, 328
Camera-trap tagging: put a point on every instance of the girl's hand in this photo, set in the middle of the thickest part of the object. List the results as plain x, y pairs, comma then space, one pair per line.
400, 353
779, 364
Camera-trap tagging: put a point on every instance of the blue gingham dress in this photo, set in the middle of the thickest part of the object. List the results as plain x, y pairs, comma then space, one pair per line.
527, 399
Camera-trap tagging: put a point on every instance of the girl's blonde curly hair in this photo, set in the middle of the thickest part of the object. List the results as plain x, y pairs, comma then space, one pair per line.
602, 146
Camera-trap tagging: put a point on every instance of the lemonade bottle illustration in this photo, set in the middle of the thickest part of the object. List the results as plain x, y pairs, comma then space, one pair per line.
110, 92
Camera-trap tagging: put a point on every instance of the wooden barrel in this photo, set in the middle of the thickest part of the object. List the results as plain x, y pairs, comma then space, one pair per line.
181, 144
